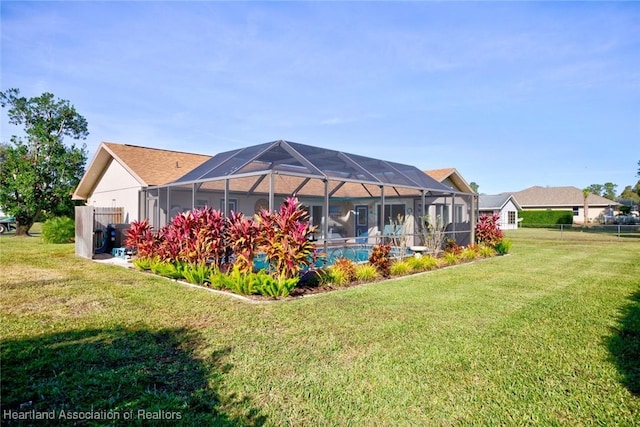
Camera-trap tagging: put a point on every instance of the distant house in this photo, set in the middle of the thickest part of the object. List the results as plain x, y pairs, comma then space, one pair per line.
119, 173
564, 198
505, 205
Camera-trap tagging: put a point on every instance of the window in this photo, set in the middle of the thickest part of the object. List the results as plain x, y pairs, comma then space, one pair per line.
458, 214
576, 211
512, 217
202, 203
391, 212
442, 211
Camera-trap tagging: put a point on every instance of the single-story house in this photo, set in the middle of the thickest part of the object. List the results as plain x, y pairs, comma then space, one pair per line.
343, 192
118, 173
565, 198
505, 205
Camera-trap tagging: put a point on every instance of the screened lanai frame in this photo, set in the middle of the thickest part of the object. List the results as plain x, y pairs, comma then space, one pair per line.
315, 175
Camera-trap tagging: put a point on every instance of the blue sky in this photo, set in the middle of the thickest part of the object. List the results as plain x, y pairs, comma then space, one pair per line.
512, 94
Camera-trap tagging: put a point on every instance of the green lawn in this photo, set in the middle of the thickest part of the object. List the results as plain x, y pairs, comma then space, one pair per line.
548, 335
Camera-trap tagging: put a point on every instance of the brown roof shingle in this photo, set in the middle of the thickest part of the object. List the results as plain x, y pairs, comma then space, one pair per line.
537, 196
155, 166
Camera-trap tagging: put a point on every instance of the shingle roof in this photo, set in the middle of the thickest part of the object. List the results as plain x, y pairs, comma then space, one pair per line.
156, 166
150, 166
557, 197
495, 202
453, 175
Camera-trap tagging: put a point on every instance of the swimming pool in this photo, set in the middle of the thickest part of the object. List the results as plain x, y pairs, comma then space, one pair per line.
356, 253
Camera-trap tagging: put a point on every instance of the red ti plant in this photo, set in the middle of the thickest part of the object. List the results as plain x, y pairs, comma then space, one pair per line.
242, 237
284, 236
140, 238
196, 237
381, 258
487, 230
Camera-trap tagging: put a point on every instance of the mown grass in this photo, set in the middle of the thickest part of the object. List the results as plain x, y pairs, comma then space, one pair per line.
548, 335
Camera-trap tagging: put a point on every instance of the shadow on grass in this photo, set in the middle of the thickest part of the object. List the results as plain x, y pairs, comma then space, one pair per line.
147, 377
624, 345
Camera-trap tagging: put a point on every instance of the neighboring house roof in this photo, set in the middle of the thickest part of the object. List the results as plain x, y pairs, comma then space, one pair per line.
539, 197
149, 166
496, 202
451, 175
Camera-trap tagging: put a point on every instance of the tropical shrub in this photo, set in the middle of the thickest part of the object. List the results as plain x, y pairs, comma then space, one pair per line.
422, 263
196, 273
488, 230
400, 268
142, 263
196, 236
486, 251
503, 247
469, 253
172, 270
380, 258
452, 247
347, 266
274, 287
140, 238
59, 230
337, 276
242, 236
365, 273
450, 258
285, 238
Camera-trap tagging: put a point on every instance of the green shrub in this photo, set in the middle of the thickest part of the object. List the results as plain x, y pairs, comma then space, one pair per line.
172, 270
347, 266
366, 273
486, 251
59, 230
469, 253
400, 268
338, 276
533, 218
143, 264
450, 258
269, 286
196, 273
503, 247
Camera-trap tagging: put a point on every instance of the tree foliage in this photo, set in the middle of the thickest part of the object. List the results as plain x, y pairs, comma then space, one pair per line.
38, 172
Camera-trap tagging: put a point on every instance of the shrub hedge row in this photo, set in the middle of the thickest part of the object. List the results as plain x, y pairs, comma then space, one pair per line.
532, 218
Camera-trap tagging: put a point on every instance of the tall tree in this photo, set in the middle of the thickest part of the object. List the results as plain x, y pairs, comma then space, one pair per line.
38, 172
595, 189
474, 186
609, 190
631, 193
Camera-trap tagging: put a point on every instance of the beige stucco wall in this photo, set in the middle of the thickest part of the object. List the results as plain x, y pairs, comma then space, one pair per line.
117, 188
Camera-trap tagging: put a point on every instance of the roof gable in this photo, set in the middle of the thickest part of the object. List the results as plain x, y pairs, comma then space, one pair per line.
452, 175
496, 201
149, 166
